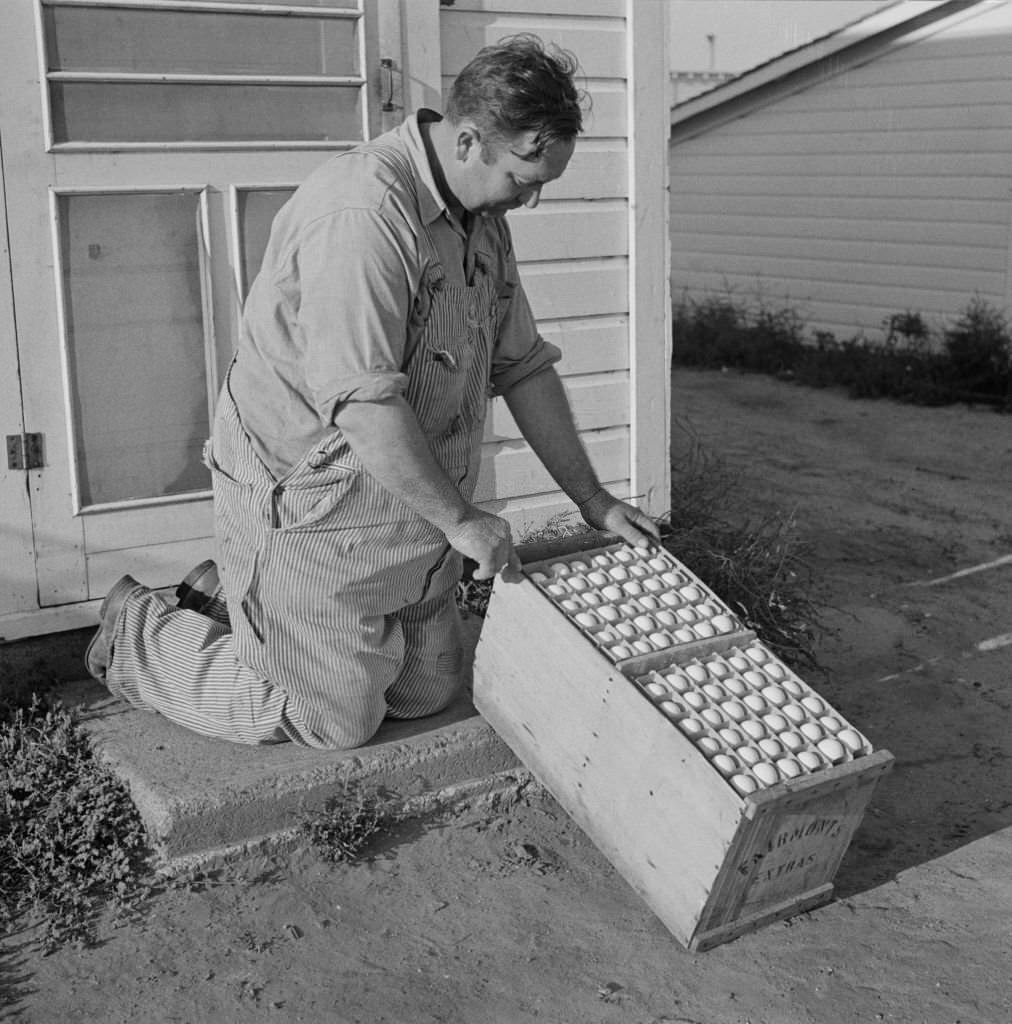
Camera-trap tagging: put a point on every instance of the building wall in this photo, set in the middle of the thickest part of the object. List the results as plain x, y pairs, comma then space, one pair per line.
573, 250
879, 188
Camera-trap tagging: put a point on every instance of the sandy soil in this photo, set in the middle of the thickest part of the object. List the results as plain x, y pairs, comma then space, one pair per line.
509, 914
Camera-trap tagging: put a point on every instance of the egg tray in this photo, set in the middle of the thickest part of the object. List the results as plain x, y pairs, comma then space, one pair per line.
630, 604
755, 720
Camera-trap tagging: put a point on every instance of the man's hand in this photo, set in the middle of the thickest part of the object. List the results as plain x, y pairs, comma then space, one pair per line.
605, 512
487, 540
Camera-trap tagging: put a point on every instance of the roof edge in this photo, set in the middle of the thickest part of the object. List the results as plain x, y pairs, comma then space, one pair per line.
761, 81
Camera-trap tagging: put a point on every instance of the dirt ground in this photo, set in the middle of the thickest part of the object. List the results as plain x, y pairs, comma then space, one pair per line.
508, 914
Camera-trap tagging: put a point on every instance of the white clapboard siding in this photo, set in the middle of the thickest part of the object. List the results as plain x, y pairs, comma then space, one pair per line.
876, 188
152, 564
592, 345
598, 170
559, 230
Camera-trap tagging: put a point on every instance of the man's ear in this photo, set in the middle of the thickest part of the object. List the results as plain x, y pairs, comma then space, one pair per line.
468, 141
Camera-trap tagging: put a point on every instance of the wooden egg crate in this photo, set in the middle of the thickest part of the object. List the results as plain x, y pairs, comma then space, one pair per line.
714, 856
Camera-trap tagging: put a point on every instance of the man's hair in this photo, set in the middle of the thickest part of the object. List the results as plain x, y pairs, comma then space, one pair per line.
517, 86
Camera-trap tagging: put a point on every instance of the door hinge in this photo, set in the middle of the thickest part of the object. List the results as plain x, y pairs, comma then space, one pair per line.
24, 451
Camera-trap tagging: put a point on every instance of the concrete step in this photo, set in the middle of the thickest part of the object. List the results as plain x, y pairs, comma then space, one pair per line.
200, 798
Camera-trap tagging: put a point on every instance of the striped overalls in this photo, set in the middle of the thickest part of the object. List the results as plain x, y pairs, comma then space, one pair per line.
340, 598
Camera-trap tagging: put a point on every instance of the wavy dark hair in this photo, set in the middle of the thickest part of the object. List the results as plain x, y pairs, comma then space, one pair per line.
519, 85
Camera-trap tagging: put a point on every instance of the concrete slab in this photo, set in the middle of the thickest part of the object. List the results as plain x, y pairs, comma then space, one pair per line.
200, 797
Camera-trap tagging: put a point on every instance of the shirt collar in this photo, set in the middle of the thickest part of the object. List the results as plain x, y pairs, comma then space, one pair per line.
430, 204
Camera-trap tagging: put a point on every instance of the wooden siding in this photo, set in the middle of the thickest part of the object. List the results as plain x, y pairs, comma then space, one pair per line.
573, 251
879, 188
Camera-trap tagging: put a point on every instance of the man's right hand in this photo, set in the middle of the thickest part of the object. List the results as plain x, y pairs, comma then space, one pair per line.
487, 540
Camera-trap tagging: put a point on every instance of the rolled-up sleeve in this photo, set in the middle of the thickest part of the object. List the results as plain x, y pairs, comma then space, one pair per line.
355, 275
520, 351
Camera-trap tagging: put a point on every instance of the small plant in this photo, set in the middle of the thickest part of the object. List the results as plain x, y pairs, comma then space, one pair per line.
348, 824
71, 840
979, 349
755, 564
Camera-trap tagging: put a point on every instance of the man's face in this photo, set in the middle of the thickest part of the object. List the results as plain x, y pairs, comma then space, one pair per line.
504, 175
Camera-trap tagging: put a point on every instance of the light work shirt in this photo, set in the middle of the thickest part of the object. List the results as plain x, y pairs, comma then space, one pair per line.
335, 309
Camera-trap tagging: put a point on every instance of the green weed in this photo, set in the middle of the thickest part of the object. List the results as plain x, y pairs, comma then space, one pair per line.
71, 840
348, 824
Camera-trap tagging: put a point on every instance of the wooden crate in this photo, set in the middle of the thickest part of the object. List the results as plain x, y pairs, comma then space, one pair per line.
711, 862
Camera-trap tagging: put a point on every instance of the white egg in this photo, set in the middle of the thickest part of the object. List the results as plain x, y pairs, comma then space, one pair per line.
632, 588
712, 717
754, 678
735, 711
607, 635
658, 564
737, 662
793, 687
774, 695
672, 708
775, 671
745, 784
791, 740
724, 764
649, 602
812, 731
756, 654
645, 622
811, 760
714, 690
601, 559
638, 571
672, 579
578, 583
736, 687
671, 600
723, 623
598, 578
629, 609
587, 619
653, 585
684, 635
749, 755
578, 565
661, 640
831, 723
692, 726
686, 614
731, 736
538, 577
832, 749
592, 598
609, 613
559, 568
696, 671
620, 652
642, 647
619, 573
755, 730
789, 768
679, 680
571, 606
765, 773
695, 700
657, 689
775, 721
612, 592
557, 590
754, 702
623, 555
703, 629
851, 739
814, 704
708, 745
707, 610
690, 593
795, 712
665, 618
626, 629
770, 747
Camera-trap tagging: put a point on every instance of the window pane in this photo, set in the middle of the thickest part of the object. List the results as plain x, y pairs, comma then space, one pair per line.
257, 209
159, 112
124, 39
135, 344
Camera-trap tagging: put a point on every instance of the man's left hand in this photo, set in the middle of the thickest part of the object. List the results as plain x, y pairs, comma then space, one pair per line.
605, 512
